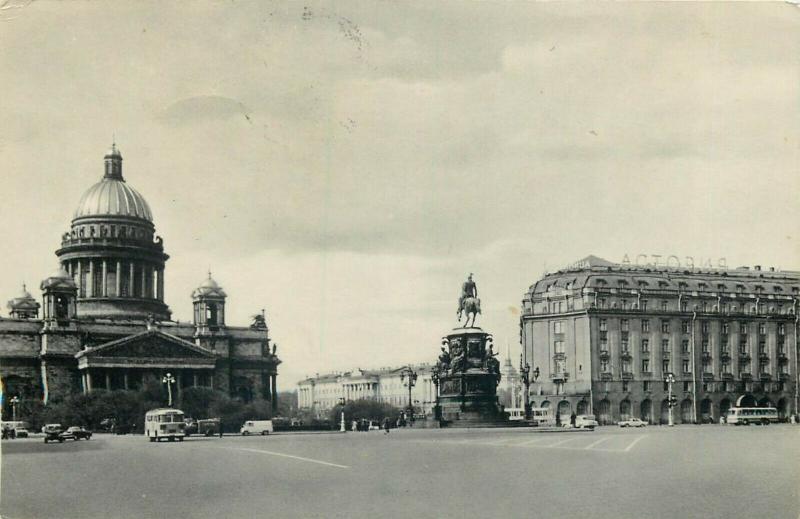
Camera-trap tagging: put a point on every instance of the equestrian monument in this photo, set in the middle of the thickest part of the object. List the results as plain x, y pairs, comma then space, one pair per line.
468, 371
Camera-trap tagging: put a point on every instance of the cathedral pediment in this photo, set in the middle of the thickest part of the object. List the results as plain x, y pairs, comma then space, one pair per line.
151, 345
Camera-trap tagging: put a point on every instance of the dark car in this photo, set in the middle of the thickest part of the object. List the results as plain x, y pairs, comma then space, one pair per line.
79, 433
53, 432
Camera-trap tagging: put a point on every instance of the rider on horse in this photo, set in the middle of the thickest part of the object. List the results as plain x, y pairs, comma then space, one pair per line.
469, 302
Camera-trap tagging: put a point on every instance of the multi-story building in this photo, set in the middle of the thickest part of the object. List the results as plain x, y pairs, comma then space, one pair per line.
105, 324
322, 393
605, 336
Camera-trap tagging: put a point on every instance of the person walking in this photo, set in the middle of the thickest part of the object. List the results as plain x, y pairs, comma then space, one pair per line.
220, 427
386, 425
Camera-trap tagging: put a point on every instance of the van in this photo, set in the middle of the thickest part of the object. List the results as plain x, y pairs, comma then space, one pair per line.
261, 427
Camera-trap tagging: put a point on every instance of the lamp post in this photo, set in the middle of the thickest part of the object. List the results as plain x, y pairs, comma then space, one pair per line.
341, 423
169, 380
435, 374
670, 380
525, 374
410, 377
14, 401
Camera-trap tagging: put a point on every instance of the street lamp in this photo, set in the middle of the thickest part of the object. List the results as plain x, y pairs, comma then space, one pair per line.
341, 423
169, 380
435, 374
671, 399
411, 375
14, 401
525, 373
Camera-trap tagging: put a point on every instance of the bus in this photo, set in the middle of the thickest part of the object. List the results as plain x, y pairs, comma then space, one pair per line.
748, 415
515, 413
164, 423
543, 416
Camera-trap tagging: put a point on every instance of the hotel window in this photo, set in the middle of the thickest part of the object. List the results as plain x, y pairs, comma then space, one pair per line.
706, 367
603, 325
744, 366
685, 346
645, 346
685, 326
781, 348
646, 385
626, 367
705, 346
663, 306
665, 326
740, 289
665, 366
725, 328
643, 305
625, 385
687, 386
559, 346
665, 345
686, 366
727, 386
762, 347
624, 345
705, 307
704, 326
558, 327
604, 366
684, 306
764, 367
603, 344
762, 329
559, 388
646, 365
624, 325
726, 366
645, 325
601, 303
743, 328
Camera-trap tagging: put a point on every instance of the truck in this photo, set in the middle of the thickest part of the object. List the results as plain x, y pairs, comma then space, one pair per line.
262, 427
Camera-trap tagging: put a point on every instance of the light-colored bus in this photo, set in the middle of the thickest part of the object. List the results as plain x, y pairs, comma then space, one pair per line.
515, 413
543, 416
164, 423
748, 415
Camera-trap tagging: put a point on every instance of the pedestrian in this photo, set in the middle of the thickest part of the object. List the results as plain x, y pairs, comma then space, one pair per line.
572, 419
220, 427
386, 425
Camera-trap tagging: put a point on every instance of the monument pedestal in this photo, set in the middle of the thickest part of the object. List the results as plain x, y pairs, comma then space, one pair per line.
468, 384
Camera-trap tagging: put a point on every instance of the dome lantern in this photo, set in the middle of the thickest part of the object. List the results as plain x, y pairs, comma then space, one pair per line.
209, 306
24, 306
113, 160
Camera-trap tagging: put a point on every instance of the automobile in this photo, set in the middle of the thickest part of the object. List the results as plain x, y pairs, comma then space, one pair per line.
585, 421
632, 422
208, 427
53, 432
79, 433
21, 432
262, 427
191, 426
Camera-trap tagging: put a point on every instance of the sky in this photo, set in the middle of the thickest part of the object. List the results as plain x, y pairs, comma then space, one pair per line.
345, 165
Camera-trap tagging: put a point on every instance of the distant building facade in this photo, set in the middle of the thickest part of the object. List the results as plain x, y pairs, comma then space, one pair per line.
605, 336
322, 393
105, 324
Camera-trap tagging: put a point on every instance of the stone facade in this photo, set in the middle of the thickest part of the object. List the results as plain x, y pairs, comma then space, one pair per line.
105, 324
605, 336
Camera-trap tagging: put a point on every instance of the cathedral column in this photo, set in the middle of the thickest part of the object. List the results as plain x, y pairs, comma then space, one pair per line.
125, 380
144, 281
90, 280
83, 383
194, 379
104, 282
274, 392
88, 380
160, 285
130, 280
118, 279
108, 380
78, 282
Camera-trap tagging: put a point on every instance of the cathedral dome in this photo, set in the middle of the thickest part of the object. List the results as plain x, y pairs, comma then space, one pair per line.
23, 301
209, 288
113, 197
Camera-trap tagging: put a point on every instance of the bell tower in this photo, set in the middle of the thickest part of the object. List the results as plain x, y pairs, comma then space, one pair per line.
60, 294
209, 307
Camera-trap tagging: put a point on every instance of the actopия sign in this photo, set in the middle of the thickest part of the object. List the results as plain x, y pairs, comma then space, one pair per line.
672, 261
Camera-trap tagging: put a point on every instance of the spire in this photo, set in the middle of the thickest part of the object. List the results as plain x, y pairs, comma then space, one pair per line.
113, 161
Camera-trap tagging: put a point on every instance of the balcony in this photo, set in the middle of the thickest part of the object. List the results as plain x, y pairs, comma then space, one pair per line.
627, 375
746, 375
604, 354
626, 354
782, 356
606, 376
706, 355
559, 356
708, 375
765, 376
744, 356
784, 376
559, 376
666, 354
763, 355
724, 354
727, 376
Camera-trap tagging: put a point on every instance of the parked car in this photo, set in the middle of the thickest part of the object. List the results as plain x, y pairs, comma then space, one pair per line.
191, 426
53, 432
79, 433
632, 422
21, 432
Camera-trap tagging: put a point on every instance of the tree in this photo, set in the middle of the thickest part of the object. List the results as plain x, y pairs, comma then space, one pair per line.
365, 409
196, 402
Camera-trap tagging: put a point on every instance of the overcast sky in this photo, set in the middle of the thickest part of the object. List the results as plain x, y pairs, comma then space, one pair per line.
345, 165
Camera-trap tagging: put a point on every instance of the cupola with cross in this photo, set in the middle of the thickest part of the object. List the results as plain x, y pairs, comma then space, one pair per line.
209, 306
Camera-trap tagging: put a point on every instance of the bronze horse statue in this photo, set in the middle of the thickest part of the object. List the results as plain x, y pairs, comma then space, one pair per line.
469, 306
